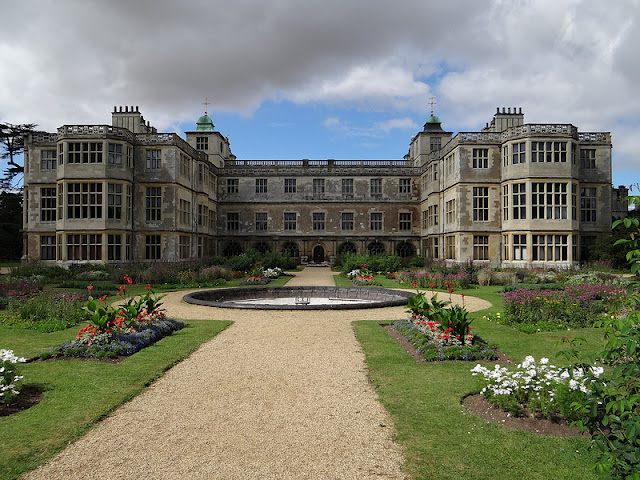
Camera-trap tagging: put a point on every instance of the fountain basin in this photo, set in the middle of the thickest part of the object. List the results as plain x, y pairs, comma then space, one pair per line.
299, 298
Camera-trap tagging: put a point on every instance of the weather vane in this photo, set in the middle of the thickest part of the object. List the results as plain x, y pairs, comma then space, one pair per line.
432, 103
206, 103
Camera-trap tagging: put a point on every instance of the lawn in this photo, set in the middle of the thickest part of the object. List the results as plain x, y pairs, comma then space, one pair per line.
79, 394
440, 438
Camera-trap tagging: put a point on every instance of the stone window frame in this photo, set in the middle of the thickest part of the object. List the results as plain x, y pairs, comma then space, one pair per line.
290, 185
450, 247
549, 201
153, 247
84, 200
587, 158
588, 204
518, 153
184, 211
376, 223
375, 186
48, 247
404, 186
290, 221
261, 221
262, 185
48, 160
347, 186
480, 204
481, 247
480, 158
519, 200
114, 153
184, 246
318, 185
519, 242
83, 246
154, 158
233, 185
347, 221
233, 221
114, 201
114, 247
153, 204
202, 143
405, 221
48, 205
318, 220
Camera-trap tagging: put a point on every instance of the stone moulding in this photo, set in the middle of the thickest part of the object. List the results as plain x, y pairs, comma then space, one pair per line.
228, 297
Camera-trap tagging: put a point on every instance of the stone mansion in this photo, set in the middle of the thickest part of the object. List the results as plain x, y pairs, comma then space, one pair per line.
510, 195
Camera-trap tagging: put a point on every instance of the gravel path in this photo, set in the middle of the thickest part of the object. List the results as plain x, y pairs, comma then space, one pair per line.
278, 395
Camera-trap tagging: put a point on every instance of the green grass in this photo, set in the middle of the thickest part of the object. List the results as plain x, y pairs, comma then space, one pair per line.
79, 394
441, 440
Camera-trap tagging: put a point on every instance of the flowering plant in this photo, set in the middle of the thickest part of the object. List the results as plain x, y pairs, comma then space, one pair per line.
256, 274
544, 389
107, 322
9, 378
361, 276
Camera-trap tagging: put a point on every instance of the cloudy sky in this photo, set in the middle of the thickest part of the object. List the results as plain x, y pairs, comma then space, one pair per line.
344, 79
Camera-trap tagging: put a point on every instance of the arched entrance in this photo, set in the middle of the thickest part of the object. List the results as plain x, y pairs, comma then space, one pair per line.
318, 254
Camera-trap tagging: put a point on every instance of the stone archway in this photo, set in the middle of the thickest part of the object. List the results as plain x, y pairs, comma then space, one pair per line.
318, 254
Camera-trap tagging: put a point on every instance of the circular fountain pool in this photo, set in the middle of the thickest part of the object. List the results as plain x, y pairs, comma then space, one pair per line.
299, 298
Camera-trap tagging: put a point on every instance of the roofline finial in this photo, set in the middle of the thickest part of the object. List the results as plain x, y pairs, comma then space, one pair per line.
206, 103
432, 103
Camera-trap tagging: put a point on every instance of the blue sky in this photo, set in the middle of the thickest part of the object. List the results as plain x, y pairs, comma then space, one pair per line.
290, 79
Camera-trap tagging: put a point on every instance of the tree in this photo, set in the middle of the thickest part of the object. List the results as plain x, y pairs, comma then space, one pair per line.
10, 226
12, 141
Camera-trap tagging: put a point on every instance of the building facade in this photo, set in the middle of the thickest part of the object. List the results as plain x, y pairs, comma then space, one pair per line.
511, 195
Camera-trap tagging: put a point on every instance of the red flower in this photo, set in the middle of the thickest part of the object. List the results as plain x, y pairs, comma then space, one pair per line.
90, 287
148, 287
103, 298
414, 284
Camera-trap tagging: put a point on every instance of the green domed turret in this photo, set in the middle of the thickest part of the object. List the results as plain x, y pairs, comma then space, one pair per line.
433, 119
204, 124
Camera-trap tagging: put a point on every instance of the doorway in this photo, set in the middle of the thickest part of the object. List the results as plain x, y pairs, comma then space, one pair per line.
318, 254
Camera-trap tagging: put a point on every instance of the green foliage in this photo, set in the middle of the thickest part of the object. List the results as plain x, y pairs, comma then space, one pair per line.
10, 226
348, 262
45, 311
612, 415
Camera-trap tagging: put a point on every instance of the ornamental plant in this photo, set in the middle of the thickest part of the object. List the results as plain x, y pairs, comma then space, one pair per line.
9, 378
107, 322
256, 273
544, 389
612, 414
575, 306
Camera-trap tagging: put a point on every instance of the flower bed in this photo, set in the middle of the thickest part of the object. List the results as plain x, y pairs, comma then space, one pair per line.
122, 345
361, 277
439, 349
460, 279
575, 306
440, 333
124, 330
543, 389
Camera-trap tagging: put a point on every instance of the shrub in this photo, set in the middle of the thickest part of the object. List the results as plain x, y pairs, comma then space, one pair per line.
576, 306
9, 378
46, 311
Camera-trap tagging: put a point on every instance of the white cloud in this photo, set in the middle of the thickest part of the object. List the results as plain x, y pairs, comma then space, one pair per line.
375, 86
561, 60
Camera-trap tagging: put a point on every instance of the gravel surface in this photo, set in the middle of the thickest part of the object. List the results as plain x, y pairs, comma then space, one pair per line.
278, 395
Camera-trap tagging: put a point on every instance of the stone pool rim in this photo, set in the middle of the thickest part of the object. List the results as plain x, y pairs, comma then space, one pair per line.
226, 297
